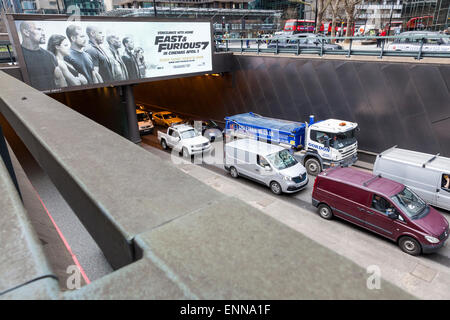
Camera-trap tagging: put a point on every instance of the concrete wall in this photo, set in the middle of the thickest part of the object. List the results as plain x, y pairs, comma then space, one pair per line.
407, 104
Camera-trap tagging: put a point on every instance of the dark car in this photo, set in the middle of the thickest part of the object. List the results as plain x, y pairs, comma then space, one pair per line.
210, 128
380, 205
303, 41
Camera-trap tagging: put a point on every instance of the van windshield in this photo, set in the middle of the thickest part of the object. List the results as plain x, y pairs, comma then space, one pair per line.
410, 203
281, 159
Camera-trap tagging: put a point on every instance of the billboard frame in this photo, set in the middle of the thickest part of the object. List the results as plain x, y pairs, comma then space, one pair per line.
14, 38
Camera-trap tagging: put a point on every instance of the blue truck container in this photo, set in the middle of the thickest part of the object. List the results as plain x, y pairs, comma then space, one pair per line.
262, 128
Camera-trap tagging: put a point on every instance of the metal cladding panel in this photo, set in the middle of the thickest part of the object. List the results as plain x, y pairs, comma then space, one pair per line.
442, 129
393, 103
433, 91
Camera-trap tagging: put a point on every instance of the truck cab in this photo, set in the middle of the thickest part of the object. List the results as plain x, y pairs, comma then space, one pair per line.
329, 143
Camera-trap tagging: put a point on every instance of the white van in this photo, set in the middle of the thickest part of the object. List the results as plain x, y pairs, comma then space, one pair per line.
265, 163
426, 174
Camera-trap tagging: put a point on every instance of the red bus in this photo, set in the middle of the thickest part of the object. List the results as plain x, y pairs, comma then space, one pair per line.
419, 23
299, 25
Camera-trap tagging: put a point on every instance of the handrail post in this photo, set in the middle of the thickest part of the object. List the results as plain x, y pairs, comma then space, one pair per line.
349, 53
382, 49
257, 47
10, 54
226, 44
298, 47
420, 49
321, 47
276, 48
242, 49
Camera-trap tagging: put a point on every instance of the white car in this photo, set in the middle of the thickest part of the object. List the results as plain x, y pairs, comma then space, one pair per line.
184, 139
411, 41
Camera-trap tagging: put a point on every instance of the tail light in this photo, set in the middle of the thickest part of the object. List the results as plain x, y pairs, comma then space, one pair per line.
315, 182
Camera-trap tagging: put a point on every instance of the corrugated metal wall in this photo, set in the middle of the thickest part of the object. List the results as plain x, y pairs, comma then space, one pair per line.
407, 104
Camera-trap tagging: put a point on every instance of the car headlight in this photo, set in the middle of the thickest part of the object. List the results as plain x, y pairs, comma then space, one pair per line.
431, 239
287, 178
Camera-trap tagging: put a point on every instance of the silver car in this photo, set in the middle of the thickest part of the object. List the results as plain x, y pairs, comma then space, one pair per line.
411, 41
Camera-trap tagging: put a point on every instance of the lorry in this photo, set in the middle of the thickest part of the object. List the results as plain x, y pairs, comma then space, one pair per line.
185, 140
316, 145
426, 174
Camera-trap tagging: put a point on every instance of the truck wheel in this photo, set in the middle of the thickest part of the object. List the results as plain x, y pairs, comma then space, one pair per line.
313, 166
234, 172
410, 246
164, 144
325, 212
275, 187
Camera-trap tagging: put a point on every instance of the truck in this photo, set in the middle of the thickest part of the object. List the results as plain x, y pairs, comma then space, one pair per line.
316, 145
185, 140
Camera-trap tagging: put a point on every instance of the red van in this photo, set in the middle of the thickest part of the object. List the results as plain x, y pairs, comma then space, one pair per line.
381, 205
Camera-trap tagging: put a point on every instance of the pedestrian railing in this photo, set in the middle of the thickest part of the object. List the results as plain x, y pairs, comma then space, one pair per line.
417, 46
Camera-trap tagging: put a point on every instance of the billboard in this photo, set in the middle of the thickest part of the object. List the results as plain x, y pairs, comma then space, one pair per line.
57, 54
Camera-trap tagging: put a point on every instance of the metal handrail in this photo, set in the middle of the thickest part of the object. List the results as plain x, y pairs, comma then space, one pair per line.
294, 46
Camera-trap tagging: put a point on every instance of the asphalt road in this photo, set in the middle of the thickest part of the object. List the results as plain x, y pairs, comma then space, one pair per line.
426, 276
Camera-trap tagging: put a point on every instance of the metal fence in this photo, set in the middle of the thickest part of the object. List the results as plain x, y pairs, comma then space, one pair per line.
416, 46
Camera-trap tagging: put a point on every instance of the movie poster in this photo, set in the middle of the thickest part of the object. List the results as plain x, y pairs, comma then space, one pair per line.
66, 54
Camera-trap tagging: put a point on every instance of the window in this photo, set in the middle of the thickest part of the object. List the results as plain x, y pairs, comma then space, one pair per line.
319, 136
260, 160
445, 184
381, 204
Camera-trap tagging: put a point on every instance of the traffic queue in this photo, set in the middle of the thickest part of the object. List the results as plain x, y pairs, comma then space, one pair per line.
394, 201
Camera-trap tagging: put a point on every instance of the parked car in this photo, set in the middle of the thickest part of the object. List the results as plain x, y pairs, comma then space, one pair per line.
380, 205
408, 43
185, 140
209, 128
166, 118
144, 122
426, 174
265, 163
305, 41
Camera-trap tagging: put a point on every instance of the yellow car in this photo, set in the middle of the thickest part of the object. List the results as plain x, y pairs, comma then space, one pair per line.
166, 118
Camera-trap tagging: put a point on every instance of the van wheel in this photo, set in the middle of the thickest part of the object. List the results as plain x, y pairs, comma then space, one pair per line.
234, 172
275, 187
164, 144
325, 212
410, 246
313, 166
